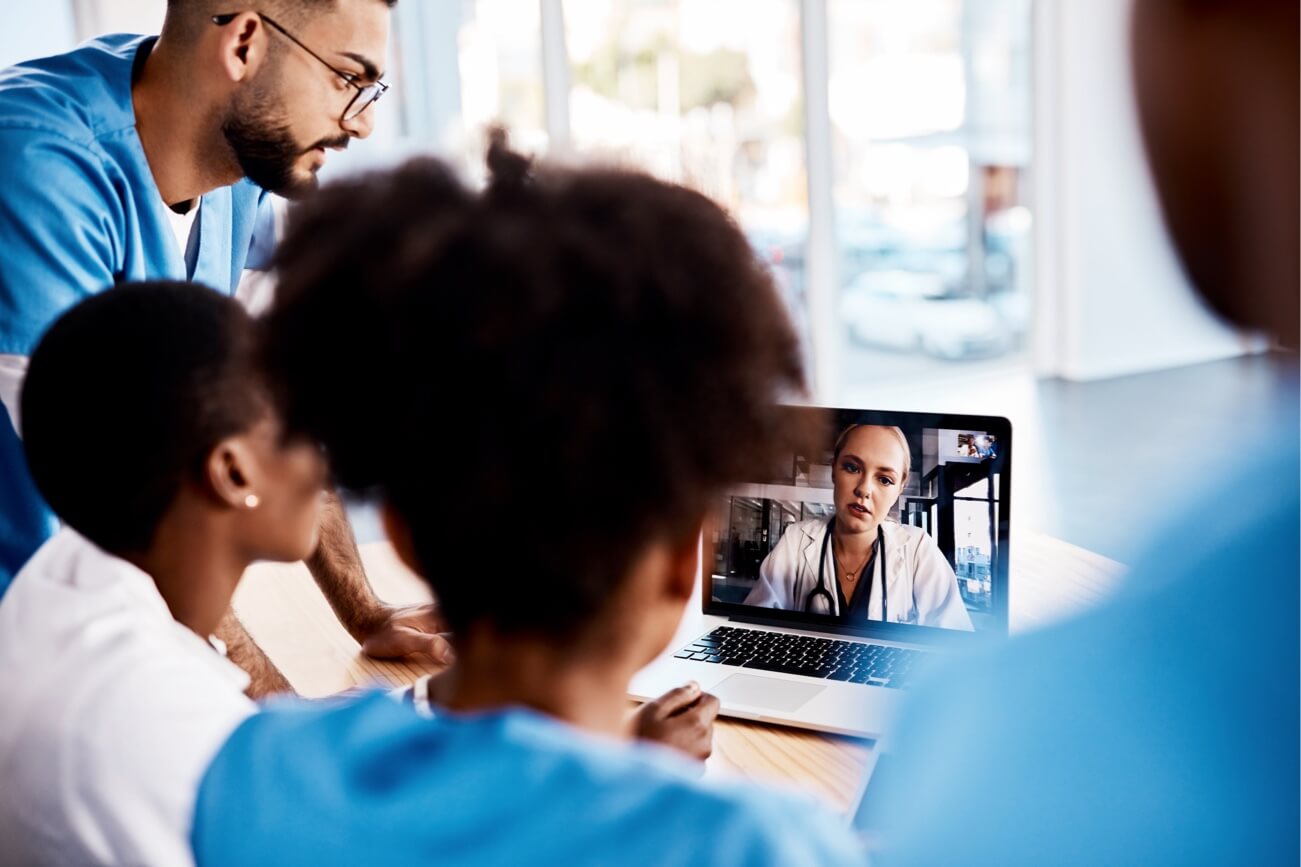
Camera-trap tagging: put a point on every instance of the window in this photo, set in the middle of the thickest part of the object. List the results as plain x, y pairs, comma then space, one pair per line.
501, 69
95, 17
930, 113
459, 67
706, 93
920, 167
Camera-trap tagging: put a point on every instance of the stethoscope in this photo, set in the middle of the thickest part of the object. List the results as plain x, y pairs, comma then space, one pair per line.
822, 591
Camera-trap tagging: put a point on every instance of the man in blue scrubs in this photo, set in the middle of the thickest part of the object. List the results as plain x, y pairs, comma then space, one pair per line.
1163, 727
135, 158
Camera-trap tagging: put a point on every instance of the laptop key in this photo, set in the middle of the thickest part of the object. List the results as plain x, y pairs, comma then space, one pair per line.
777, 666
845, 661
682, 654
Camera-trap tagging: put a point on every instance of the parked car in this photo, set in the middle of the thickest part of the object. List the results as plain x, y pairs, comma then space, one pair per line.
916, 311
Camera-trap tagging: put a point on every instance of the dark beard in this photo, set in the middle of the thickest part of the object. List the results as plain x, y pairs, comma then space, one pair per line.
266, 153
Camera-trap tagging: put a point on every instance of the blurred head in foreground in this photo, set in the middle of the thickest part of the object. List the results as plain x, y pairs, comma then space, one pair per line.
547, 382
1217, 91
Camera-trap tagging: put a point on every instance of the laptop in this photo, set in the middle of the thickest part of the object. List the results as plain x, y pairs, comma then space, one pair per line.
828, 583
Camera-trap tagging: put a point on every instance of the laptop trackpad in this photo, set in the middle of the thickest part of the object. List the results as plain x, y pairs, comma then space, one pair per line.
770, 692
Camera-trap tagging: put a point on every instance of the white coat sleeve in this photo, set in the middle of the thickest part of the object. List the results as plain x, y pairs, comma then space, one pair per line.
935, 589
160, 724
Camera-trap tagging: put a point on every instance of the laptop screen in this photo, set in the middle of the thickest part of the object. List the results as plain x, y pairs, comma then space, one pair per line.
895, 525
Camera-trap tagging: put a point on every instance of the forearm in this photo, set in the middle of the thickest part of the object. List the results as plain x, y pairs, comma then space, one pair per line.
336, 566
264, 678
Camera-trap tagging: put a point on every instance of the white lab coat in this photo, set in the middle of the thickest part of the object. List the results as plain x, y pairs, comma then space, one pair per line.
112, 712
922, 587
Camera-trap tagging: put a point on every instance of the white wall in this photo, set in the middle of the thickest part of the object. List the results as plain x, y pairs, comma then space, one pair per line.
36, 29
1112, 299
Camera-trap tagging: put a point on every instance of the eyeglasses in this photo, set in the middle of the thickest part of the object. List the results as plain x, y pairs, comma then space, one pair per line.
366, 95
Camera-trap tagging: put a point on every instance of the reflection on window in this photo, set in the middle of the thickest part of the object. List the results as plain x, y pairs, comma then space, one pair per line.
929, 114
500, 50
930, 110
707, 93
973, 553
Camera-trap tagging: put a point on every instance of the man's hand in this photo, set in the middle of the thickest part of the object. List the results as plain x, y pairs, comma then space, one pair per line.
409, 630
682, 718
382, 630
264, 678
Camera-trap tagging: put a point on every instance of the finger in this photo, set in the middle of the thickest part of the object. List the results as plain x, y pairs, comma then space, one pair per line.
698, 726
413, 642
398, 641
381, 645
707, 713
708, 707
703, 745
441, 649
699, 717
675, 700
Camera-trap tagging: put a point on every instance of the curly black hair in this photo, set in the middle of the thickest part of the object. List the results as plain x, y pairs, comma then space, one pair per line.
540, 377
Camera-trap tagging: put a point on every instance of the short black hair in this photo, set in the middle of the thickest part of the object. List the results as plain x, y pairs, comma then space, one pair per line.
185, 19
541, 377
206, 7
126, 395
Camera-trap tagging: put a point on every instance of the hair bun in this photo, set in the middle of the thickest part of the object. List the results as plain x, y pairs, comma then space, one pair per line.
507, 169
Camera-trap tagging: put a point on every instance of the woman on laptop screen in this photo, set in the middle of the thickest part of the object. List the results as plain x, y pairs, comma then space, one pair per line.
859, 565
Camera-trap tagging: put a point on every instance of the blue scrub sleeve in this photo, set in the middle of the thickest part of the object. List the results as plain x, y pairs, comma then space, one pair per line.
25, 520
58, 210
262, 246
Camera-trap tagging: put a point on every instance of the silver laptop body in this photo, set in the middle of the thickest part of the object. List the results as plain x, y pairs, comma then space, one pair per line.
847, 673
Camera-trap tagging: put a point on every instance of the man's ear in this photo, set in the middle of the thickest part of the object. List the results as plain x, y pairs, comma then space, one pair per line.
231, 473
399, 534
684, 565
243, 46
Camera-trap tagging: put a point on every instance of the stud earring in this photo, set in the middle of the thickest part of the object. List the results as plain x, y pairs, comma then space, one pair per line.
251, 501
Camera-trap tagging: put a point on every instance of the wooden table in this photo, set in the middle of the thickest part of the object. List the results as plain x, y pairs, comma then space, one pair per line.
286, 613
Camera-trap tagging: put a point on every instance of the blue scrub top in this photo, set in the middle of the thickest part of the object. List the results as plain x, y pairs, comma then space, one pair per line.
1159, 729
371, 782
80, 212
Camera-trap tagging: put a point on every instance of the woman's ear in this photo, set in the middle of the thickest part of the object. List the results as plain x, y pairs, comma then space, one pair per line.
231, 473
399, 534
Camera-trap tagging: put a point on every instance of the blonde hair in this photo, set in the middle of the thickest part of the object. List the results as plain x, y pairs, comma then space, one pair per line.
899, 434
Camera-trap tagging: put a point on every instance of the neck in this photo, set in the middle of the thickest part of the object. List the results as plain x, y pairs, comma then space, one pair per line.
492, 671
854, 546
180, 128
194, 566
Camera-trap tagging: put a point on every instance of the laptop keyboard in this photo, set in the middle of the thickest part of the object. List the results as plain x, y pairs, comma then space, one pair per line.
848, 661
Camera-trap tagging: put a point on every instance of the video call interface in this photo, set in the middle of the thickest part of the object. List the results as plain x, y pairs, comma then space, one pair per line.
779, 542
